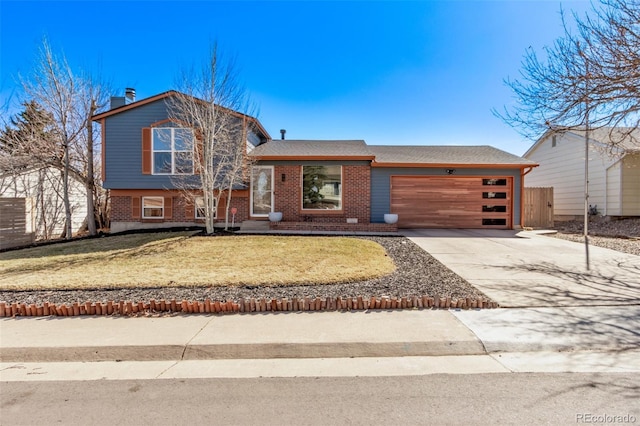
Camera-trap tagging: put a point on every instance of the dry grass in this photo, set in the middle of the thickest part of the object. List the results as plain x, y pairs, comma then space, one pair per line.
180, 259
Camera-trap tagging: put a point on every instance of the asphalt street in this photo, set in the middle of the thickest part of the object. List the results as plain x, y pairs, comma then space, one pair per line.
442, 399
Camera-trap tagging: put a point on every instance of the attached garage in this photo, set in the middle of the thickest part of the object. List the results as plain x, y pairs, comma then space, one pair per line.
452, 202
448, 186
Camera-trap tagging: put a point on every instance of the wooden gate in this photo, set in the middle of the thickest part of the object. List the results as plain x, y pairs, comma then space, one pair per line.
538, 207
15, 229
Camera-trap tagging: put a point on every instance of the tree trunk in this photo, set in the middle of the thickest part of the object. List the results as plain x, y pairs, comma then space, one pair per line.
65, 193
90, 182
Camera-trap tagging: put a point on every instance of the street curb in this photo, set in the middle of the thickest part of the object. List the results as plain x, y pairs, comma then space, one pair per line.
241, 351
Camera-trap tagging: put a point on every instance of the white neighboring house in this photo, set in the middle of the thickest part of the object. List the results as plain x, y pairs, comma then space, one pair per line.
614, 176
42, 187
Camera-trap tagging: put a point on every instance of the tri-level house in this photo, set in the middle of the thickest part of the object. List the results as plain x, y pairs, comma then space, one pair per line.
312, 185
146, 159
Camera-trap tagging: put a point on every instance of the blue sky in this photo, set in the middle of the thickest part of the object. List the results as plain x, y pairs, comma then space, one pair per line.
392, 73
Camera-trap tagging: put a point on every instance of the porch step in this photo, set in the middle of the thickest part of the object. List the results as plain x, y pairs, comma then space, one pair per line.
254, 225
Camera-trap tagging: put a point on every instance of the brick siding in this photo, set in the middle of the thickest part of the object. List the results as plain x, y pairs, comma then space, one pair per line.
356, 194
121, 210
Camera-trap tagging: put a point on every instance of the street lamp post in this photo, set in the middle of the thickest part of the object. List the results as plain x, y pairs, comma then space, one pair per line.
586, 155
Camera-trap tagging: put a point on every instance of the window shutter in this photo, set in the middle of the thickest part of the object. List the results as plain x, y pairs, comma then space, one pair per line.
168, 207
135, 207
146, 151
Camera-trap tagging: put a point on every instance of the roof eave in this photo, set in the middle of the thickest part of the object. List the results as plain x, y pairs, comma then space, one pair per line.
136, 104
455, 165
167, 94
314, 157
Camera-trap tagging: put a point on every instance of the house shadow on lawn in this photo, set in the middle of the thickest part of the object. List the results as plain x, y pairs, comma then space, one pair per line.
99, 244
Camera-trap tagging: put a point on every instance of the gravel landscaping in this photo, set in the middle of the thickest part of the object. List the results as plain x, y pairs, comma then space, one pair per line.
417, 274
620, 235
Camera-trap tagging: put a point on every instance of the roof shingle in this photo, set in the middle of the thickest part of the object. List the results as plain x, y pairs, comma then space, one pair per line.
445, 154
313, 148
389, 154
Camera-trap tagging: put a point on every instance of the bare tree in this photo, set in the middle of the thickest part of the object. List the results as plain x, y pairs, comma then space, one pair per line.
590, 77
70, 100
213, 104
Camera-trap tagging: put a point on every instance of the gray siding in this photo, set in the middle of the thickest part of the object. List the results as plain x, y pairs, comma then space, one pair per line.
381, 186
123, 148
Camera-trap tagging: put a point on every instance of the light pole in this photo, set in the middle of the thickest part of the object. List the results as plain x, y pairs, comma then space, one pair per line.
586, 155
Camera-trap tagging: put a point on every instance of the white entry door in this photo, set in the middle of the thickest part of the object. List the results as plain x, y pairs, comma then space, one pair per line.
261, 191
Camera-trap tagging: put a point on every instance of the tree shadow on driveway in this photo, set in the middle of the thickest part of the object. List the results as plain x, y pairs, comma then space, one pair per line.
547, 284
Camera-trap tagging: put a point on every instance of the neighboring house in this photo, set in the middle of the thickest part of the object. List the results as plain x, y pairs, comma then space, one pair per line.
42, 189
340, 185
614, 175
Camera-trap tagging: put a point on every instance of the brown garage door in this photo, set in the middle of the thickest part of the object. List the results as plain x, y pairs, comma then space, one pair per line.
451, 202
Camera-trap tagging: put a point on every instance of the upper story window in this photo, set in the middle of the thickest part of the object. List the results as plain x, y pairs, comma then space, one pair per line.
172, 151
322, 187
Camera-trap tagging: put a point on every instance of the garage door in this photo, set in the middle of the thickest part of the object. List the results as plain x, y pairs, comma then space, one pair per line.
451, 202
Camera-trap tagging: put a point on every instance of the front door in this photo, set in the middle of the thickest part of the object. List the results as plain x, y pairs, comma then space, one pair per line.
261, 191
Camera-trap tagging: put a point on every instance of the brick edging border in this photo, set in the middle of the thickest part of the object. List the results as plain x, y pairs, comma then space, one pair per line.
207, 306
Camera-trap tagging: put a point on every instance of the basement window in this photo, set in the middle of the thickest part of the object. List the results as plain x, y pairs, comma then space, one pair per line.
152, 207
200, 208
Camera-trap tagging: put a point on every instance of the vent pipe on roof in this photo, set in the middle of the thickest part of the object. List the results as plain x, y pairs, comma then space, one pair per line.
282, 132
130, 94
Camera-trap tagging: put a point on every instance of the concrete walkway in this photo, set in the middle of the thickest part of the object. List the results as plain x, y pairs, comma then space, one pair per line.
524, 269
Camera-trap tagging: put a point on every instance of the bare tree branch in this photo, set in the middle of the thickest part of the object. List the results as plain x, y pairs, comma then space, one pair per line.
213, 103
598, 66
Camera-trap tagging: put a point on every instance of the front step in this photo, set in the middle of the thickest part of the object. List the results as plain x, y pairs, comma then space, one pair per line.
254, 225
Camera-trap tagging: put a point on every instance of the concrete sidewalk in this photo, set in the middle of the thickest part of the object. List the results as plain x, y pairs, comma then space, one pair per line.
320, 334
262, 336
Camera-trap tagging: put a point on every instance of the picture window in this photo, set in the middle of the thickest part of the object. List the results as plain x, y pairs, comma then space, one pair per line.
322, 187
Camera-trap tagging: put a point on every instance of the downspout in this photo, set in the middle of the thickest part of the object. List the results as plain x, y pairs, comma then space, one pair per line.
523, 173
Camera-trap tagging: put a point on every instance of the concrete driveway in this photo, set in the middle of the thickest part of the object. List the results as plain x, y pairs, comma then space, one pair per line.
524, 269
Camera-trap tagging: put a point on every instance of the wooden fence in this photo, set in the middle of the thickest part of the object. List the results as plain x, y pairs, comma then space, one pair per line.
14, 223
538, 207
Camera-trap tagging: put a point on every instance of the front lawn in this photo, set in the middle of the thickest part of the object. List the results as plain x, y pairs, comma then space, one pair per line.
183, 260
